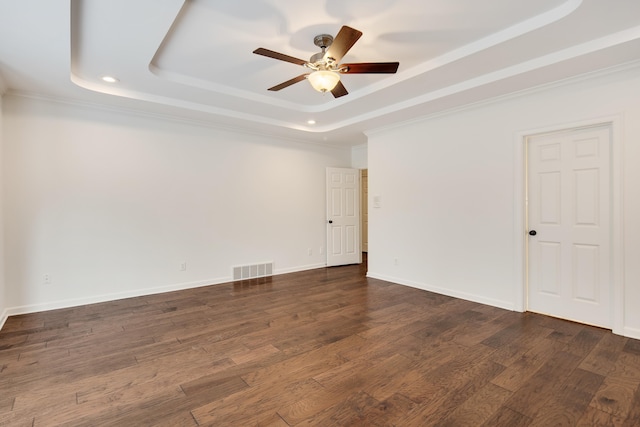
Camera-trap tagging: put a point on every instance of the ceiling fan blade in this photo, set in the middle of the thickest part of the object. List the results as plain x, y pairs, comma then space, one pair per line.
343, 41
339, 90
276, 55
371, 67
289, 82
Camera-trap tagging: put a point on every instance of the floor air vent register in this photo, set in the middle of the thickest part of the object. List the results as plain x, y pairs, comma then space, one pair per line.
251, 271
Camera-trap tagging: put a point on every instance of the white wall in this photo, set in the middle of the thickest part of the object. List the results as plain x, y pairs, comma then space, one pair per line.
109, 204
450, 191
359, 157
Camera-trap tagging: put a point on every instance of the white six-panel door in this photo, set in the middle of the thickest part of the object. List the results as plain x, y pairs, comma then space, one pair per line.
569, 225
343, 216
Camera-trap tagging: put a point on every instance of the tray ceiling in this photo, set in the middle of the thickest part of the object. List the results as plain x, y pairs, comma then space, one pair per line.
193, 59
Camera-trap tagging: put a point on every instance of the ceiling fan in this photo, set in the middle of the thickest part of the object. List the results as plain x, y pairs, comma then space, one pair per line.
325, 65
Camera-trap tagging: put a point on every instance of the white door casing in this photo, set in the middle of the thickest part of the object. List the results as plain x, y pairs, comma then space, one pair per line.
569, 207
343, 216
364, 210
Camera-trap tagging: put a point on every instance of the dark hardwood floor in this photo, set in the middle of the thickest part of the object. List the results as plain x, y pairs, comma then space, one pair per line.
327, 347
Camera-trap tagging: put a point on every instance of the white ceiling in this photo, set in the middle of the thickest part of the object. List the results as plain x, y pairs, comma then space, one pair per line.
193, 59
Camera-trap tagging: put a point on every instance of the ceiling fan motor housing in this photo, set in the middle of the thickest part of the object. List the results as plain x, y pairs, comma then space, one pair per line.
323, 41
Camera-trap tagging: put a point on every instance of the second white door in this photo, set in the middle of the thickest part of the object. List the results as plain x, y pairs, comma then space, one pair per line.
343, 216
569, 225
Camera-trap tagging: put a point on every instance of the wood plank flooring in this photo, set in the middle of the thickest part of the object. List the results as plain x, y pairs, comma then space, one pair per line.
327, 347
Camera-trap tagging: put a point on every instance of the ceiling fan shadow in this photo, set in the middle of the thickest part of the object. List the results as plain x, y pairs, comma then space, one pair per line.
260, 10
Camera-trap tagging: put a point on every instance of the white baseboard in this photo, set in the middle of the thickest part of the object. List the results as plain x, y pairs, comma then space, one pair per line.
626, 331
55, 305
74, 302
34, 308
3, 318
300, 268
507, 305
631, 332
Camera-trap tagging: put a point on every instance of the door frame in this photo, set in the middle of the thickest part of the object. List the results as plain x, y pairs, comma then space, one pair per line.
615, 124
364, 200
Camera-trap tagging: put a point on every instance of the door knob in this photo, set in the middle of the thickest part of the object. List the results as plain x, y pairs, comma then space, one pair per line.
330, 221
532, 233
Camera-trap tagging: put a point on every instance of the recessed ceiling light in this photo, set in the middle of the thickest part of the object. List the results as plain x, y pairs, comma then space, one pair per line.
311, 122
109, 79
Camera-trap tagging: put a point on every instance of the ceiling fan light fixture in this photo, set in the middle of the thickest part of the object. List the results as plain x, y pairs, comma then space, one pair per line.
324, 80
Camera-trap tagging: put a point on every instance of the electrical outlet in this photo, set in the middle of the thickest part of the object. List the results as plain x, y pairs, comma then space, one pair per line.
321, 250
395, 261
309, 252
183, 266
47, 279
